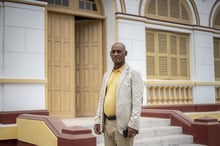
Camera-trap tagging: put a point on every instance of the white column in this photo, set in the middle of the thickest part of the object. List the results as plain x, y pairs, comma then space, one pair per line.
202, 66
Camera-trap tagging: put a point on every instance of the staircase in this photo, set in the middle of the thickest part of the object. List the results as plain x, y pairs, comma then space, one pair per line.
158, 132
153, 132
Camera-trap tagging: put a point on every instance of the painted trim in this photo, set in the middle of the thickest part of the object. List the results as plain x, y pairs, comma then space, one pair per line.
8, 132
41, 3
9, 117
193, 4
180, 82
147, 20
22, 81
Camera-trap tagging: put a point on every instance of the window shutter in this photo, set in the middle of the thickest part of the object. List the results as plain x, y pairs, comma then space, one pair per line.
217, 19
217, 58
163, 67
217, 70
162, 43
151, 66
174, 67
151, 71
183, 67
162, 52
173, 55
150, 42
184, 12
173, 45
152, 7
169, 10
167, 55
183, 64
182, 46
163, 8
174, 9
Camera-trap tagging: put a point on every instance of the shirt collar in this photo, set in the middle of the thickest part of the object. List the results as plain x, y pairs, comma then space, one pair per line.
119, 70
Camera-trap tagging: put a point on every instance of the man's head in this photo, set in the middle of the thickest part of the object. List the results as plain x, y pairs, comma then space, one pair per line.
118, 53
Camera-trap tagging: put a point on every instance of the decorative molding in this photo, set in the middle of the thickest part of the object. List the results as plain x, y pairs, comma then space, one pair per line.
22, 81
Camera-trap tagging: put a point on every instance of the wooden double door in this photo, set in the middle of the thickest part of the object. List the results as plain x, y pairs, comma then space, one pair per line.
74, 65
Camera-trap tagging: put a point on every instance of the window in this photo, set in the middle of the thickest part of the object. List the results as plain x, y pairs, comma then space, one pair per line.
169, 10
217, 58
64, 3
167, 55
216, 19
89, 5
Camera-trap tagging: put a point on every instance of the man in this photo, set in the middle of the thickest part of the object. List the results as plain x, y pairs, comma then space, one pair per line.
120, 101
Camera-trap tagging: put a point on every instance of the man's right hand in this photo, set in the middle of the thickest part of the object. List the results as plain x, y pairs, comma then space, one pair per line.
97, 129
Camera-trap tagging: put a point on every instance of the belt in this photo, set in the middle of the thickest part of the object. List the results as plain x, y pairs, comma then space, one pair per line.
111, 118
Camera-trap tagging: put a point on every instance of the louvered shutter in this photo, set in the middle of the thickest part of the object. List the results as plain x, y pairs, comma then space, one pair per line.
169, 10
163, 55
173, 56
183, 57
163, 8
217, 58
151, 66
174, 9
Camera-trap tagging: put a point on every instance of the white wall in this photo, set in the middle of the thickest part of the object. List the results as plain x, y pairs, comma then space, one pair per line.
1, 54
22, 56
202, 66
204, 8
132, 34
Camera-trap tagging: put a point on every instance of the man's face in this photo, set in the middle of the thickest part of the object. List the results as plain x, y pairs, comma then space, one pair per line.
118, 54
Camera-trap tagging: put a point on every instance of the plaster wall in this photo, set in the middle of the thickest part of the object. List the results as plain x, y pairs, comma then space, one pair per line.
22, 56
110, 28
1, 38
132, 34
132, 6
27, 97
203, 56
203, 94
1, 54
204, 9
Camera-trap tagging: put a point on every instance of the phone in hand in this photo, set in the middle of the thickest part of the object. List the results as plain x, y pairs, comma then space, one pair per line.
125, 133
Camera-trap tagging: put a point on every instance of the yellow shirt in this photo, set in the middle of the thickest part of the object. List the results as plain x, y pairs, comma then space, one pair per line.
110, 97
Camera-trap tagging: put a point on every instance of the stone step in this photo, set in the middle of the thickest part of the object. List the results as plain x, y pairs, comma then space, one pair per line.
191, 145
153, 132
169, 140
174, 140
158, 131
146, 122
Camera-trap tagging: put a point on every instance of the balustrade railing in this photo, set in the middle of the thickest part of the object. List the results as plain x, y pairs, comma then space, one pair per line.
157, 95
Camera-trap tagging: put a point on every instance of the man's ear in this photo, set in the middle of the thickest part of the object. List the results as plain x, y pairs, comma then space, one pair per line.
126, 52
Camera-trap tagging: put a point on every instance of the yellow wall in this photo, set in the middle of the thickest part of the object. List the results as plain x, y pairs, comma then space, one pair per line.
8, 132
35, 132
204, 114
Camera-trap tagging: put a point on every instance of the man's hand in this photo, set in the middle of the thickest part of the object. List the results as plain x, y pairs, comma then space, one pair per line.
131, 132
97, 129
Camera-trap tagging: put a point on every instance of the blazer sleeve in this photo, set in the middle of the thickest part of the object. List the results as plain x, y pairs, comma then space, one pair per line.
137, 87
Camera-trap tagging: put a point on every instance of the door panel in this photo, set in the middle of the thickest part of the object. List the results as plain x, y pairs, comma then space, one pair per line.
61, 65
88, 66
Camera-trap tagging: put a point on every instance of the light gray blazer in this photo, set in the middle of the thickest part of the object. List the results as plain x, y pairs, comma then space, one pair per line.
129, 96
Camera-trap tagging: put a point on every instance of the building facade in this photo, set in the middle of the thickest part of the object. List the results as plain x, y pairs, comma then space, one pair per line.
53, 53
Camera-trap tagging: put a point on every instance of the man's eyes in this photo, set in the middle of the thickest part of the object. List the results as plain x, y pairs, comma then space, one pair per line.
116, 51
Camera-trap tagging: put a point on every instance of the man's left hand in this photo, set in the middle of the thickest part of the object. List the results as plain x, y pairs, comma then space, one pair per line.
131, 132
